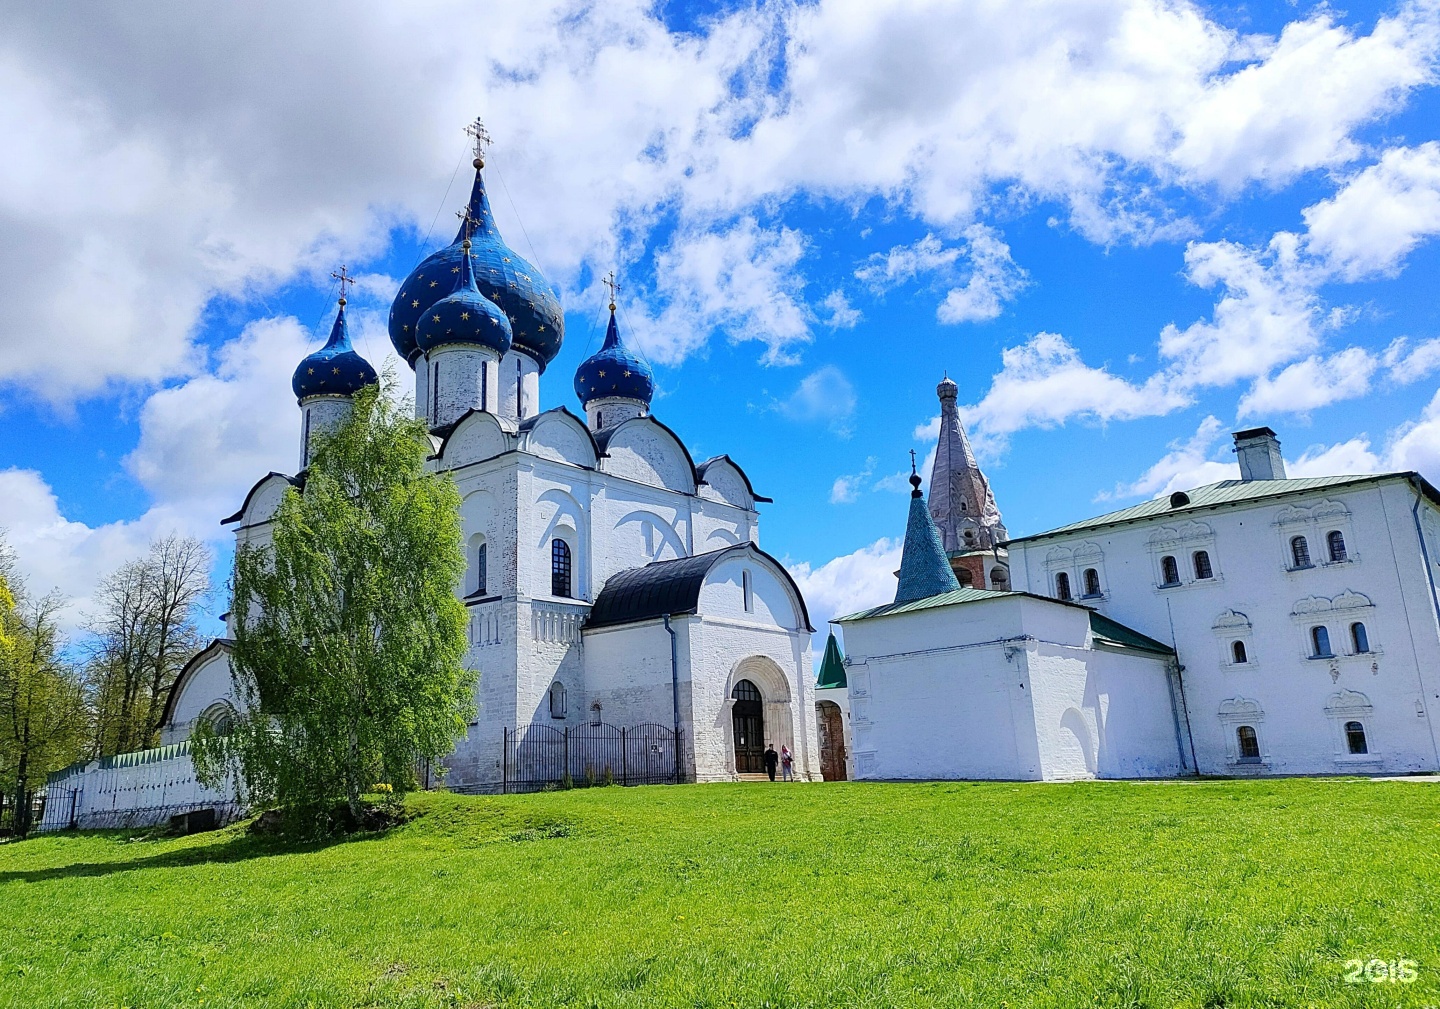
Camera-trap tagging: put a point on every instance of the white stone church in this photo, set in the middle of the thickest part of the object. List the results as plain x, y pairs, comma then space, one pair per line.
612, 580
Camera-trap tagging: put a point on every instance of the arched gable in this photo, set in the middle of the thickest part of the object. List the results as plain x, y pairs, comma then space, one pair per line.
559, 435
263, 499
203, 682
722, 480
646, 451
475, 437
773, 597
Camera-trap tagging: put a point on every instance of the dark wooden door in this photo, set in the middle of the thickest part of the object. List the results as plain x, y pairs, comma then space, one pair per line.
748, 714
832, 741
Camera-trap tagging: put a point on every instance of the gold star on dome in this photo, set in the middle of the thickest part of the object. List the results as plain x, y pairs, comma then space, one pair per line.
335, 371
542, 329
402, 294
602, 374
434, 283
404, 329
310, 371
414, 304
465, 315
627, 373
454, 269
506, 258
435, 317
419, 276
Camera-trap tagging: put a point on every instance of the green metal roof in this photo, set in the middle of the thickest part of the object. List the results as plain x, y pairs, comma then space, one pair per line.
1226, 492
1116, 634
931, 602
832, 667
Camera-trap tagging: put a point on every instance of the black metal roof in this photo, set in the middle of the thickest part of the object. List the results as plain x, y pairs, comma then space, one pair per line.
671, 588
700, 471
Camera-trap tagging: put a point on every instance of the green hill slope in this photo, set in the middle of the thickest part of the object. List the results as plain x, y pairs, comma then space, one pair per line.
1172, 894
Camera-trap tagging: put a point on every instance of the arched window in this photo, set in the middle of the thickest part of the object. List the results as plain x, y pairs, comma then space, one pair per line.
1248, 743
481, 572
967, 580
1355, 738
1359, 638
557, 700
998, 577
221, 718
1092, 581
1062, 586
1335, 543
560, 568
1202, 564
1320, 643
1237, 650
1169, 571
1299, 552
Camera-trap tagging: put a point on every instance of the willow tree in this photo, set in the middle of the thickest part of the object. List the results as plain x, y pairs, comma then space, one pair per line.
349, 640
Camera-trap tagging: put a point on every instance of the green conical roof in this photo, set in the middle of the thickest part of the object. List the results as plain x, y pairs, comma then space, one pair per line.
832, 666
924, 570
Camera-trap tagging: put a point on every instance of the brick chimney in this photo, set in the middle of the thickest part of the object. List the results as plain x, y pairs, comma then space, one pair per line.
1259, 453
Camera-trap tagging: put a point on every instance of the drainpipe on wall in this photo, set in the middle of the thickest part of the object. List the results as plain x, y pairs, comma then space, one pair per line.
1434, 600
675, 691
1180, 682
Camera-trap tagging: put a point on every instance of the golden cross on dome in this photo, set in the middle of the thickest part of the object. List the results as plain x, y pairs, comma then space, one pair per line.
470, 221
609, 281
912, 462
480, 137
344, 277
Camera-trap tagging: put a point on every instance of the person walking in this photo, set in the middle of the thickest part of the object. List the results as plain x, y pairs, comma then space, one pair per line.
771, 758
787, 764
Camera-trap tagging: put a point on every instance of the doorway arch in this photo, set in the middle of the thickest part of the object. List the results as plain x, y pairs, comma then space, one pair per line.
747, 715
831, 722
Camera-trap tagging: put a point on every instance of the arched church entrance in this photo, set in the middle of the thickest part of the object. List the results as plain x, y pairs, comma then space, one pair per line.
832, 740
748, 715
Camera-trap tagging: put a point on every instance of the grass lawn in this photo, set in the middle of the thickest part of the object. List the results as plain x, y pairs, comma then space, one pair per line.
750, 895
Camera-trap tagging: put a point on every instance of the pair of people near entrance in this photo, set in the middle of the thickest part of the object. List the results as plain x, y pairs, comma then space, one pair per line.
783, 759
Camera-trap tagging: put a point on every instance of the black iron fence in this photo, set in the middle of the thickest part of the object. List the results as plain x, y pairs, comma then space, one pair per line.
538, 756
12, 818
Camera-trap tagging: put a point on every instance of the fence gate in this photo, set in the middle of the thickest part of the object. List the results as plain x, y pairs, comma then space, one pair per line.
541, 756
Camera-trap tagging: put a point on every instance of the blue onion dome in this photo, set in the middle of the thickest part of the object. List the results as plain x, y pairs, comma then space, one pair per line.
464, 316
537, 321
335, 369
614, 372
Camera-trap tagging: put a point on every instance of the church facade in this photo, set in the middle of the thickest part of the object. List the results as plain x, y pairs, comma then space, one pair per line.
610, 577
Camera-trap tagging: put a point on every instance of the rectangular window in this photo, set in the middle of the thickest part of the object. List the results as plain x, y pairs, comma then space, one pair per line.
749, 594
484, 385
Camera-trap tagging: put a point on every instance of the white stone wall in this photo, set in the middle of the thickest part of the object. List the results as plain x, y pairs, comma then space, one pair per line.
207, 685
462, 378
137, 796
1254, 597
612, 411
1009, 688
319, 415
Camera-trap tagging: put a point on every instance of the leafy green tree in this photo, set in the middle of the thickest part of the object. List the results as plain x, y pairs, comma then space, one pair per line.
349, 640
43, 719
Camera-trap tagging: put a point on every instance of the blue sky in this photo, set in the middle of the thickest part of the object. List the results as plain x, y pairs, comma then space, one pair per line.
1124, 228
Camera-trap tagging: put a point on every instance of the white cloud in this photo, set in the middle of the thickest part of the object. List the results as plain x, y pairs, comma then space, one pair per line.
1380, 215
1265, 318
982, 271
842, 314
1043, 382
849, 583
1188, 464
823, 395
1295, 107
1405, 363
743, 280
149, 198
846, 489
1311, 383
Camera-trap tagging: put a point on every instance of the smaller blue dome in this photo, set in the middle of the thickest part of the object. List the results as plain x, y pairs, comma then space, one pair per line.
613, 372
335, 369
465, 316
